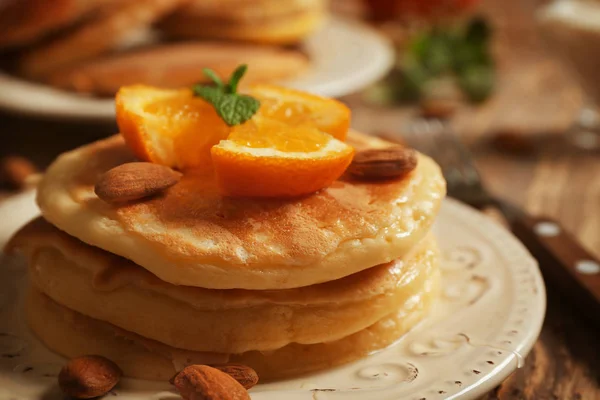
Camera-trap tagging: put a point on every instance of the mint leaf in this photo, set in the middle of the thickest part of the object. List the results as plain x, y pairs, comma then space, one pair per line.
461, 53
214, 77
233, 108
236, 76
209, 93
477, 82
236, 109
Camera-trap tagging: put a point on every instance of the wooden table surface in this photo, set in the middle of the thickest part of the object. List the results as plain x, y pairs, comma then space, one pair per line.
535, 98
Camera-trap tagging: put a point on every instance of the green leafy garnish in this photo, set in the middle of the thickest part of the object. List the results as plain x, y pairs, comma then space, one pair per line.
459, 55
232, 107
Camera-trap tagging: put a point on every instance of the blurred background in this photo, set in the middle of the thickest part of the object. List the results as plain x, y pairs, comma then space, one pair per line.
515, 81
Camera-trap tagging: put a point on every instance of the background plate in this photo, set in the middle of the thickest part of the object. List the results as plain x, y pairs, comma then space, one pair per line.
488, 318
345, 57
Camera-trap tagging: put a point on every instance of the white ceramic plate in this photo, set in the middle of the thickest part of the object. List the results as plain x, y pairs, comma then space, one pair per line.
488, 318
345, 57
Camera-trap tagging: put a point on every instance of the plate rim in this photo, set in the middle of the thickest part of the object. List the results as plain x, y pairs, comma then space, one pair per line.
488, 382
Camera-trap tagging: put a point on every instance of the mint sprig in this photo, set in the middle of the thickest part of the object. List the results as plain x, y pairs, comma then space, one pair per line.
458, 55
232, 107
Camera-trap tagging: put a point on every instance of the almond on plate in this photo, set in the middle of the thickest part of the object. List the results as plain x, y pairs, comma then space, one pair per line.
201, 382
87, 377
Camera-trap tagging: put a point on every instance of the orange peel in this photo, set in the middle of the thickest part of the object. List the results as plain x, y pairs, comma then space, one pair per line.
292, 146
271, 159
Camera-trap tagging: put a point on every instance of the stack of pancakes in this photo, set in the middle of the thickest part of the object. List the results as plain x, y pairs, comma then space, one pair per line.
191, 277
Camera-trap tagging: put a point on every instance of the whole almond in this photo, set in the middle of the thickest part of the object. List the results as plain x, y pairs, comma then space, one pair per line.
134, 181
385, 163
87, 377
201, 382
246, 376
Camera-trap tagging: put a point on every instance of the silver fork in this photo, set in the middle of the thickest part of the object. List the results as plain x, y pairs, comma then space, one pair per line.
562, 259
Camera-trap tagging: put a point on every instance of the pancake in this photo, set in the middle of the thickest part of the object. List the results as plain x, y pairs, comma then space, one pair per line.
112, 289
177, 65
97, 36
72, 334
262, 21
193, 236
25, 21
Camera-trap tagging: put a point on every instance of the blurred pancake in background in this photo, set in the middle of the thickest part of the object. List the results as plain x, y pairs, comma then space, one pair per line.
25, 21
53, 51
263, 21
103, 33
179, 64
96, 46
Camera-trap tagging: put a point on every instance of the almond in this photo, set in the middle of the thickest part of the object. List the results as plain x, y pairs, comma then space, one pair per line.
15, 170
246, 376
134, 181
385, 163
88, 376
201, 382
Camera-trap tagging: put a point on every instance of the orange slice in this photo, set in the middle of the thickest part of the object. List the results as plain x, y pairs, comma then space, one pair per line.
268, 158
174, 128
169, 127
295, 107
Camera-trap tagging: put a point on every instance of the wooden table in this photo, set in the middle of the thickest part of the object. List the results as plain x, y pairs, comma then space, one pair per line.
535, 98
538, 101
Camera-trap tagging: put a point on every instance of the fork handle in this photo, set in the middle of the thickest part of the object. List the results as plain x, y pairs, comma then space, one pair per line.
563, 261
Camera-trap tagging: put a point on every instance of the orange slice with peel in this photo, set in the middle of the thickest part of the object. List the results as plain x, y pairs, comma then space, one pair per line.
296, 107
169, 127
174, 128
266, 157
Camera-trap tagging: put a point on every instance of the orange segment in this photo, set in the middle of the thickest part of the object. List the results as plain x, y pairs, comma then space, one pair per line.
295, 108
262, 132
169, 127
174, 128
268, 158
291, 147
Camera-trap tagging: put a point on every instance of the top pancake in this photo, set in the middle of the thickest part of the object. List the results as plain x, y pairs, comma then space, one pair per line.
193, 236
